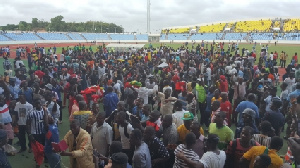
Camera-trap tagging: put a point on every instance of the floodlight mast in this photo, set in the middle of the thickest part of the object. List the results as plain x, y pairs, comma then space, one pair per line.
148, 16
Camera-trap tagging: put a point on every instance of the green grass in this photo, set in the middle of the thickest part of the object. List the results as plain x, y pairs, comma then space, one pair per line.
25, 159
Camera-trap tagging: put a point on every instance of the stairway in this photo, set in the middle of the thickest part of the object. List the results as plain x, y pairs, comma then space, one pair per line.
223, 36
233, 27
8, 37
225, 26
109, 37
68, 37
83, 36
135, 37
39, 36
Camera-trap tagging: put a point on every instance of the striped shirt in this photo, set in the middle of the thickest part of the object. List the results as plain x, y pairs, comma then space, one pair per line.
37, 121
262, 139
188, 153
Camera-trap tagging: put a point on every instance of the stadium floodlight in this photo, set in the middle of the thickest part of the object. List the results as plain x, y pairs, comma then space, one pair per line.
148, 16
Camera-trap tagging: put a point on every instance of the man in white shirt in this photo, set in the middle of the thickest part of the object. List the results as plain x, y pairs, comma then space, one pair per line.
101, 134
22, 108
178, 115
19, 62
271, 56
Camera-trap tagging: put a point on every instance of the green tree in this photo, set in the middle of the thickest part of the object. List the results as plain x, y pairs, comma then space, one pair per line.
57, 24
22, 26
34, 23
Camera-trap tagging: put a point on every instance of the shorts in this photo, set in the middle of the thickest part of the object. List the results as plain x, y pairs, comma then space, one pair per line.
9, 130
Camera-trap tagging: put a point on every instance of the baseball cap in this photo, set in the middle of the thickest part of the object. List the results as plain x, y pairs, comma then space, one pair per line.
188, 116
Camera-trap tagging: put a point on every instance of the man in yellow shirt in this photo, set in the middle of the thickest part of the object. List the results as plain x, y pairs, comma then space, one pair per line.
276, 162
184, 129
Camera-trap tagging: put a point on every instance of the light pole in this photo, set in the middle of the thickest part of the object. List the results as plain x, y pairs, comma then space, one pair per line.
115, 30
148, 16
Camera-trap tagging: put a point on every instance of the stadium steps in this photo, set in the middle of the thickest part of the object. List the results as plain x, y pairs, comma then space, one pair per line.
39, 36
135, 37
83, 36
223, 36
109, 37
68, 37
8, 37
225, 27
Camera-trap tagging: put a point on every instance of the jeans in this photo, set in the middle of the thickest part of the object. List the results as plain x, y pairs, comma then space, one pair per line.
53, 160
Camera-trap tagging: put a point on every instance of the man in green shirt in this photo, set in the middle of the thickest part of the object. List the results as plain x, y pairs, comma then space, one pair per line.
224, 132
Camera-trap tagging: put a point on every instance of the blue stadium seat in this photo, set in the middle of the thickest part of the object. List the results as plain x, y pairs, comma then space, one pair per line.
235, 36
75, 36
178, 36
23, 36
3, 38
141, 36
53, 36
95, 36
122, 36
205, 36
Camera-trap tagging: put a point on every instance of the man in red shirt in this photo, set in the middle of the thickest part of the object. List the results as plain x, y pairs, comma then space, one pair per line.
223, 84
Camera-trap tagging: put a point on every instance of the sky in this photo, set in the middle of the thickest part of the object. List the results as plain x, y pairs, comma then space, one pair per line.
132, 14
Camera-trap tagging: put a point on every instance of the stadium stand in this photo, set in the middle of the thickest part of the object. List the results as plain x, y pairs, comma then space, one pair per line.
180, 30
75, 36
178, 36
22, 36
235, 36
214, 28
249, 26
3, 38
204, 36
261, 36
122, 36
291, 25
95, 36
276, 24
141, 36
53, 36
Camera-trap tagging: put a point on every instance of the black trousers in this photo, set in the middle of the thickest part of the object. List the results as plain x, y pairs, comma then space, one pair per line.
202, 107
22, 136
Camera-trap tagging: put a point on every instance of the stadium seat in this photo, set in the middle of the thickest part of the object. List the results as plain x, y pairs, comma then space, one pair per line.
291, 25
53, 36
178, 36
235, 36
250, 26
204, 36
3, 38
23, 36
122, 36
214, 28
95, 36
141, 36
75, 36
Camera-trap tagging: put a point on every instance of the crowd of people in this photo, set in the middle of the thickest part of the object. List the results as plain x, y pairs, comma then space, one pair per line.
151, 107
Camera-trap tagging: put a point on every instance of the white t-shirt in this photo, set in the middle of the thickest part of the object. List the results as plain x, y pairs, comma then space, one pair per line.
124, 138
177, 118
62, 57
18, 63
23, 110
212, 160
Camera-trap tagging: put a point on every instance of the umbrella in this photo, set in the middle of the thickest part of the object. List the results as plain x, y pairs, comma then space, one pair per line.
162, 65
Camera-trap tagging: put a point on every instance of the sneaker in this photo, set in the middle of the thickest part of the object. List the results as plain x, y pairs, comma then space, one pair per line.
29, 150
